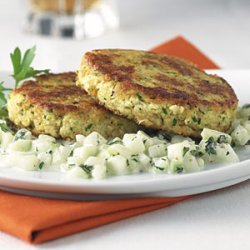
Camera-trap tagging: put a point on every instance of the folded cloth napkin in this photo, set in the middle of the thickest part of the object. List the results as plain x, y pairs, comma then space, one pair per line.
38, 220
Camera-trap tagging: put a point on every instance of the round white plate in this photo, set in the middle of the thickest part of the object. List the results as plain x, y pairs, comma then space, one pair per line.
53, 184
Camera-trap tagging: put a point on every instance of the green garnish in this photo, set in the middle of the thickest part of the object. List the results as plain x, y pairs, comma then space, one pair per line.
117, 141
21, 70
174, 122
185, 150
88, 127
3, 100
19, 135
201, 111
139, 96
167, 136
196, 120
164, 110
210, 146
22, 66
196, 153
222, 139
246, 106
41, 165
4, 127
179, 169
86, 168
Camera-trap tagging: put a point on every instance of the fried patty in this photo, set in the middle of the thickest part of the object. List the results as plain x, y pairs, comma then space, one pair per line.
54, 105
158, 91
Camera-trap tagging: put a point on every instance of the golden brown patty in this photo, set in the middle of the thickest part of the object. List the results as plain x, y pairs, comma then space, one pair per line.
158, 91
54, 105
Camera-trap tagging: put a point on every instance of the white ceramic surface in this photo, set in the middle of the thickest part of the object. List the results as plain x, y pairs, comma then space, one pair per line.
212, 178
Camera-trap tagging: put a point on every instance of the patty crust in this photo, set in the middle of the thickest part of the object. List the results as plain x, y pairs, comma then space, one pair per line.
52, 104
158, 91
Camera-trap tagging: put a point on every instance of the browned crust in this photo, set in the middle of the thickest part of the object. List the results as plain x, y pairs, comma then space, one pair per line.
176, 89
61, 97
70, 77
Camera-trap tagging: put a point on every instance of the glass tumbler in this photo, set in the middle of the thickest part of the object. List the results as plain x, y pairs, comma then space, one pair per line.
78, 19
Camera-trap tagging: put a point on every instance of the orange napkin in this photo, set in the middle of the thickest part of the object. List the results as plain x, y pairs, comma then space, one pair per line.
37, 219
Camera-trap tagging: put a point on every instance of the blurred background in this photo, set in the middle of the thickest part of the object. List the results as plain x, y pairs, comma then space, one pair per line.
63, 30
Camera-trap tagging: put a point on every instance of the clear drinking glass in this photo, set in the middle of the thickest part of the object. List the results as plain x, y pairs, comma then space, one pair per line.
72, 18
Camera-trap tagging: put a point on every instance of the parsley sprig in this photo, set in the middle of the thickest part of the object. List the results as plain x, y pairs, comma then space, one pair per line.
22, 70
22, 66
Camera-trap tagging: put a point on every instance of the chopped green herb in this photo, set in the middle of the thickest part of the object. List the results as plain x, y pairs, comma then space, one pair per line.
165, 135
196, 120
246, 106
86, 168
41, 165
164, 110
111, 142
196, 153
227, 153
19, 135
185, 150
139, 96
174, 122
210, 146
161, 169
222, 139
201, 111
88, 127
179, 169
4, 127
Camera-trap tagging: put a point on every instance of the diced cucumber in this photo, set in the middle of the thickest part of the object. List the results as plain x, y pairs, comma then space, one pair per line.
118, 149
246, 125
28, 162
117, 165
216, 135
20, 145
240, 135
134, 144
179, 138
157, 150
134, 164
93, 160
46, 138
191, 163
58, 158
80, 138
94, 139
244, 111
177, 151
23, 134
99, 171
45, 157
77, 173
7, 138
160, 165
176, 167
42, 146
85, 151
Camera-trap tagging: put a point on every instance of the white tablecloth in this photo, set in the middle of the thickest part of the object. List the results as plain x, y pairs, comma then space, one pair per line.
218, 220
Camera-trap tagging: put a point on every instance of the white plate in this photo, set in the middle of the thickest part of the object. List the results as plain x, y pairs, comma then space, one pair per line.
214, 177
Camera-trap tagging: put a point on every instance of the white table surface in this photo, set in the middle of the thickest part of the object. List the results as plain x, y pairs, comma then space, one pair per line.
218, 220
